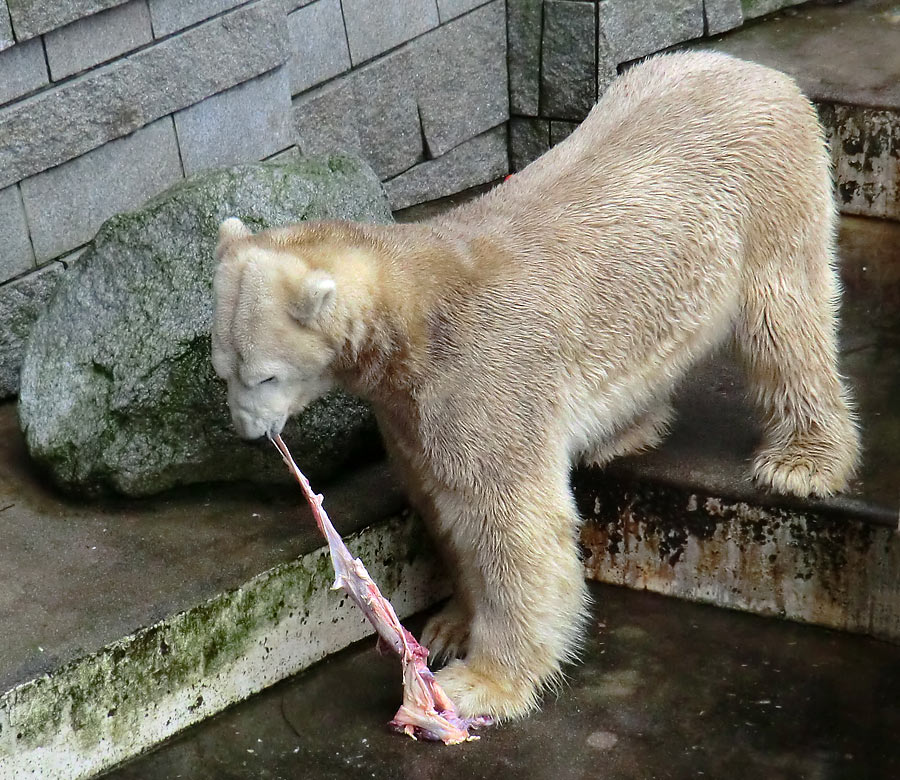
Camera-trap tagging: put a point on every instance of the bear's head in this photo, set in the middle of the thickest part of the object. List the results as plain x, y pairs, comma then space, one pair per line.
269, 336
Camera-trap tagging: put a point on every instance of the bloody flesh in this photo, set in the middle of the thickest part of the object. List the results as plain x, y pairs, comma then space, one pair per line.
427, 711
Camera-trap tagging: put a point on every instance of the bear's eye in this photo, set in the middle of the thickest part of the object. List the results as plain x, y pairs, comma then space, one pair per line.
269, 379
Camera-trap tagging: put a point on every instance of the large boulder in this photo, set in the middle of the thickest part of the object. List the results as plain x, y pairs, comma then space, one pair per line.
117, 390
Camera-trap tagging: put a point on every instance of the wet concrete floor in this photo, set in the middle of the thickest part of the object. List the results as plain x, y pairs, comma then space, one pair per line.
666, 689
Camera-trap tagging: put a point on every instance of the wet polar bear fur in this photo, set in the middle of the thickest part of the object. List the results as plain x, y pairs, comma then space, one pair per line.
549, 322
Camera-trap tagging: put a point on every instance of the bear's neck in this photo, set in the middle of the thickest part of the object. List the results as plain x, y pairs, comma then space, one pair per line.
386, 325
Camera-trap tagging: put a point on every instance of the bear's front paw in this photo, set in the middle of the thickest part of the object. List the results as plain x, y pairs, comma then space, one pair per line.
446, 634
476, 693
802, 470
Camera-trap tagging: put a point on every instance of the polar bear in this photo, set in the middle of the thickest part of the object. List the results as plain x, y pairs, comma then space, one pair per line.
549, 322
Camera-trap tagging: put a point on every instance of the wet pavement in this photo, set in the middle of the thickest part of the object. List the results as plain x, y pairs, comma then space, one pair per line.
666, 689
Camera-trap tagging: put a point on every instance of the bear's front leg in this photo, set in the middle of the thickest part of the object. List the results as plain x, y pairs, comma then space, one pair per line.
520, 568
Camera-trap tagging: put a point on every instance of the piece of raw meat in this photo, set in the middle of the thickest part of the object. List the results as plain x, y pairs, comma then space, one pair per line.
426, 711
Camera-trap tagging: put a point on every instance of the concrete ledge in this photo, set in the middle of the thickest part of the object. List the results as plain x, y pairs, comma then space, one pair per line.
840, 572
846, 59
111, 705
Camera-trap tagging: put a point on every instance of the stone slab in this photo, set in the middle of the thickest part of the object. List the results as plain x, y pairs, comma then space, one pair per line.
449, 9
319, 48
461, 78
132, 659
568, 59
528, 139
387, 114
372, 112
67, 204
523, 30
635, 30
474, 162
34, 17
16, 254
324, 119
6, 31
21, 301
243, 124
376, 26
98, 38
560, 130
169, 16
119, 98
22, 70
722, 15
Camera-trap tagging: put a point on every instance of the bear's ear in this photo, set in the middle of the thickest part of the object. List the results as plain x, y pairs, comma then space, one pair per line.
230, 230
315, 297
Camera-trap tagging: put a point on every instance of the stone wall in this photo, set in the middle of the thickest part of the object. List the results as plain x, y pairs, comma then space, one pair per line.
105, 103
564, 53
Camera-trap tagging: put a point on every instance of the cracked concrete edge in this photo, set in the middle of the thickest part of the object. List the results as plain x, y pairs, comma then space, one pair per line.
113, 705
838, 572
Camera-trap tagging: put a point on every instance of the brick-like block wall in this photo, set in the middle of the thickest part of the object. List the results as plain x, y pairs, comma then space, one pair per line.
104, 103
417, 105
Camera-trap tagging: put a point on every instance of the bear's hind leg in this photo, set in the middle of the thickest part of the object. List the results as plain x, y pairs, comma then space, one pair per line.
646, 432
520, 560
786, 336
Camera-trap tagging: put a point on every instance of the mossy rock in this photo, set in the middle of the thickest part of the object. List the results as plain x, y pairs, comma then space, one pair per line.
117, 390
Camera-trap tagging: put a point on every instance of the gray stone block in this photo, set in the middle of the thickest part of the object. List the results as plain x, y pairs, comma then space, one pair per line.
449, 9
523, 19
528, 139
477, 161
98, 38
635, 30
568, 62
387, 114
372, 113
606, 63
21, 301
33, 17
754, 8
461, 78
22, 70
16, 255
375, 26
67, 204
119, 98
172, 15
560, 131
243, 124
722, 15
324, 122
6, 33
318, 44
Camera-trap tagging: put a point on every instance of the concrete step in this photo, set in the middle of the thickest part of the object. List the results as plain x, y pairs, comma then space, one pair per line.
664, 689
846, 58
126, 622
685, 520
